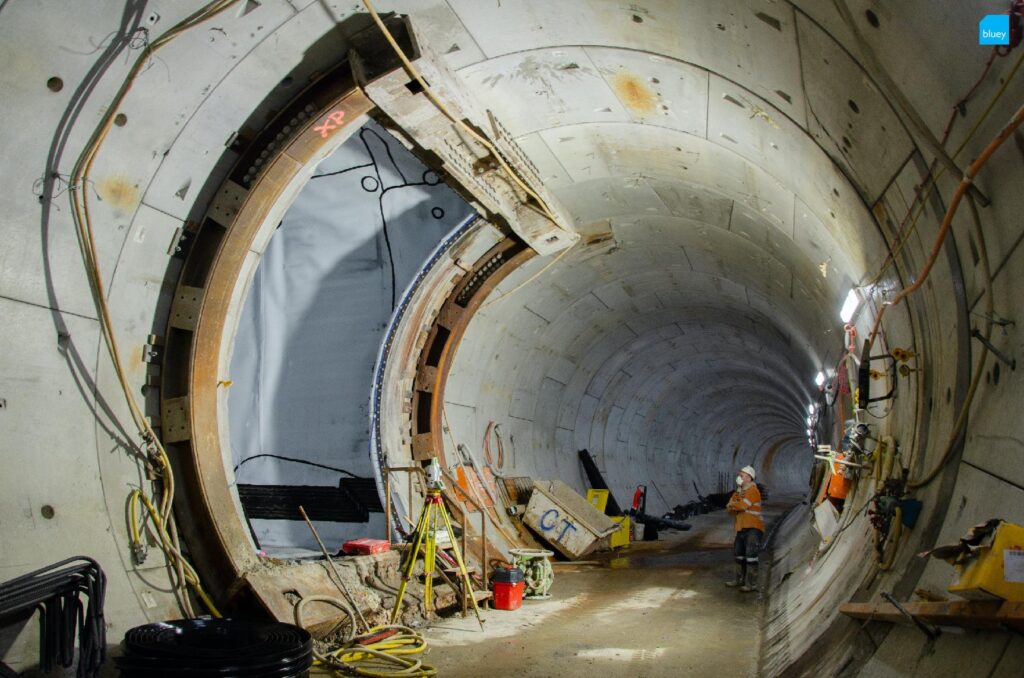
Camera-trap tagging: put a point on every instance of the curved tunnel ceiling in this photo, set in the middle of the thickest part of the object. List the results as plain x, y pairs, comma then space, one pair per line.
719, 159
722, 231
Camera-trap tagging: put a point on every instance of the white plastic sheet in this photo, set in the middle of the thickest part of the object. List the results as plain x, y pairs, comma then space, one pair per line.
314, 318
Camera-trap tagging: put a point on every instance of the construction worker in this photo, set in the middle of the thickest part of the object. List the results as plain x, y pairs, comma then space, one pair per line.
745, 504
837, 486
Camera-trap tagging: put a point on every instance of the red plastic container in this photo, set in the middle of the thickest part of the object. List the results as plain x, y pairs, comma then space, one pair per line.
508, 596
365, 547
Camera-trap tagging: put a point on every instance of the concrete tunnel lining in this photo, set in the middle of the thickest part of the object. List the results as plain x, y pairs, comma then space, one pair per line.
577, 366
639, 263
722, 176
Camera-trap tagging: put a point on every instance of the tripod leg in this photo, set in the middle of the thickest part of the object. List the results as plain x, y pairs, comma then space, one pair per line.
410, 562
461, 562
429, 554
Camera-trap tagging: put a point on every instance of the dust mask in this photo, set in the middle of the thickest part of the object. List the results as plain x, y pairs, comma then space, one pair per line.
739, 480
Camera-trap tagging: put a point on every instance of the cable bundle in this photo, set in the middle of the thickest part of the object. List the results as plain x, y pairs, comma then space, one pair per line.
204, 648
381, 652
56, 591
149, 447
384, 652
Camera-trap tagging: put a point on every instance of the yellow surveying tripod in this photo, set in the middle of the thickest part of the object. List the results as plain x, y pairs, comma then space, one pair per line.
426, 539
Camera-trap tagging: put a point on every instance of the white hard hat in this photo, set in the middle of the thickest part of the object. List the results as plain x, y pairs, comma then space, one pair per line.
749, 470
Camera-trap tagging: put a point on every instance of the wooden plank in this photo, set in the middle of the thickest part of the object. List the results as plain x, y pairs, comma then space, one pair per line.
978, 614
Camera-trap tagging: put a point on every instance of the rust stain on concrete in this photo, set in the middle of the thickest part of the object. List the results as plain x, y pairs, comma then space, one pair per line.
636, 96
118, 192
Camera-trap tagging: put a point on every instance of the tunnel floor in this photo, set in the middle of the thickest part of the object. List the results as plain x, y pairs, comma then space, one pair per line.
654, 609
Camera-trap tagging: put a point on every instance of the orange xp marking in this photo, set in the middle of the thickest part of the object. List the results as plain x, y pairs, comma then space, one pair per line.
331, 122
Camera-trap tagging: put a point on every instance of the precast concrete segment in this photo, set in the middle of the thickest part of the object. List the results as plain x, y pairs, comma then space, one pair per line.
787, 64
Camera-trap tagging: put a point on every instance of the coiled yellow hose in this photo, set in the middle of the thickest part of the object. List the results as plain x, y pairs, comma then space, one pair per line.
386, 657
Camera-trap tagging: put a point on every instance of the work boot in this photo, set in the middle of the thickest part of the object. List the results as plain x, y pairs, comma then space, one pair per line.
751, 580
738, 581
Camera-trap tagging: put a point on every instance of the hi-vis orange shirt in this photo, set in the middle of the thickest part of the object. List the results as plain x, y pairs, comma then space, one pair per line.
746, 506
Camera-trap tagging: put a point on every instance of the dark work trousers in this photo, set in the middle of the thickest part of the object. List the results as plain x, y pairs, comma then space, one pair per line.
747, 546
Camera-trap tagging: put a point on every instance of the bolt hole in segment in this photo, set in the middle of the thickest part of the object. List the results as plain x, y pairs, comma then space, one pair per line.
315, 315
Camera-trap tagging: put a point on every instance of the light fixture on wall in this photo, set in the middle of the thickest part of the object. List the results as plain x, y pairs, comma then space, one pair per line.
819, 378
850, 306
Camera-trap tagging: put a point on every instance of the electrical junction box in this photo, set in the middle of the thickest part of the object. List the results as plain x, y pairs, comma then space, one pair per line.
997, 572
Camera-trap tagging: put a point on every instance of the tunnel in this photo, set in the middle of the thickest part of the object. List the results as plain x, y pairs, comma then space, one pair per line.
279, 253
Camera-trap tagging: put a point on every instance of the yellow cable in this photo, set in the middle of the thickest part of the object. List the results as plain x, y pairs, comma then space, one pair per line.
79, 197
191, 577
479, 138
389, 657
133, 507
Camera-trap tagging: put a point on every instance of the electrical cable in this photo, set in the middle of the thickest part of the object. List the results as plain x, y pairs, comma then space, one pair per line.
479, 138
961, 419
385, 658
493, 429
382, 652
299, 461
501, 446
961, 190
487, 444
79, 198
190, 575
895, 93
930, 184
